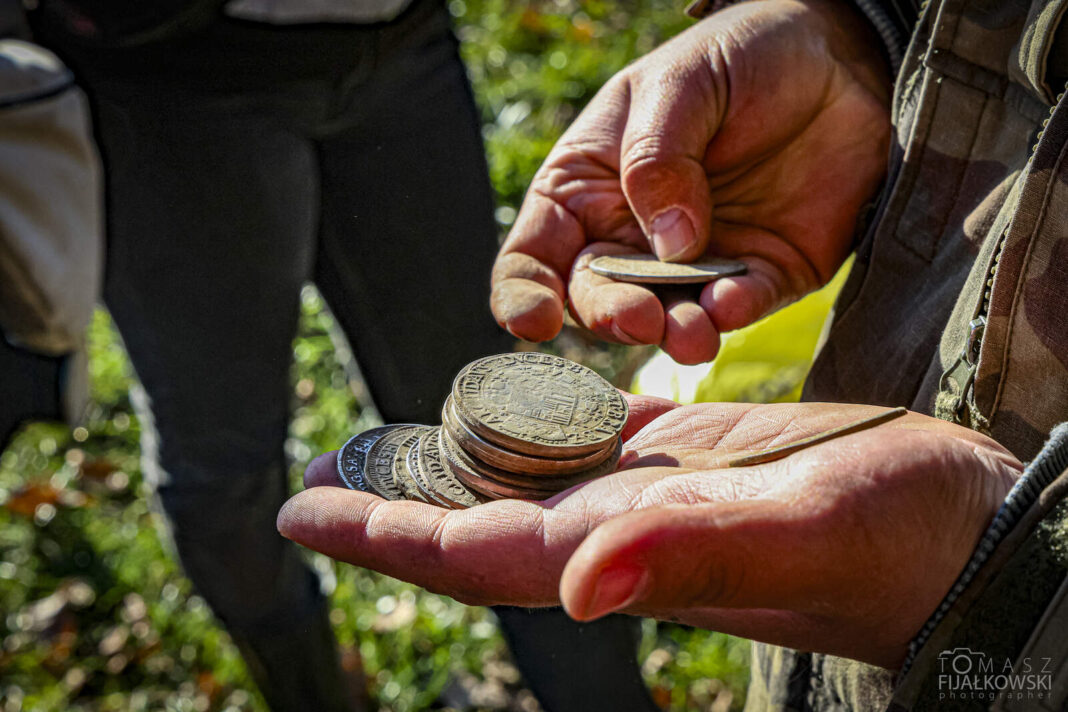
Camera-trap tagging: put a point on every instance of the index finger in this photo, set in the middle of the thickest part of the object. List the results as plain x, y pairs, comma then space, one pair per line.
509, 551
575, 197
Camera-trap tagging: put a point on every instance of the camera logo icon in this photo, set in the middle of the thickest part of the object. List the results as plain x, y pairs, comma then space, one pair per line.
961, 661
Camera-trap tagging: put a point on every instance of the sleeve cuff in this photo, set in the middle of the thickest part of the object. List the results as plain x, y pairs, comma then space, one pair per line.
1040, 473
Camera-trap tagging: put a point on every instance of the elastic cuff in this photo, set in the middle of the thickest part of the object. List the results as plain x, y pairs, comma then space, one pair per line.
894, 36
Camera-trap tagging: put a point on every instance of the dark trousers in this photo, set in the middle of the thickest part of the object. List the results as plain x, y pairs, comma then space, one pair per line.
241, 162
31, 387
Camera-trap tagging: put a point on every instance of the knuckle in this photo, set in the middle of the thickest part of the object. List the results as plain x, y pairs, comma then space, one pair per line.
644, 153
713, 583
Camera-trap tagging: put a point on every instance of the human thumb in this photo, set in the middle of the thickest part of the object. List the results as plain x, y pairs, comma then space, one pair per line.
668, 130
745, 554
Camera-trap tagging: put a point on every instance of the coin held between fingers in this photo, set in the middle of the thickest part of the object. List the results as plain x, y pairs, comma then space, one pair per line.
647, 269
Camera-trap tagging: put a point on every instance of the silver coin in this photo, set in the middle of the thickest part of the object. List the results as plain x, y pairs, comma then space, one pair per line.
352, 456
442, 481
415, 468
539, 404
378, 465
647, 269
402, 474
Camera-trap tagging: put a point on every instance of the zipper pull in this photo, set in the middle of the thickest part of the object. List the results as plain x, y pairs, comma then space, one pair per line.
958, 380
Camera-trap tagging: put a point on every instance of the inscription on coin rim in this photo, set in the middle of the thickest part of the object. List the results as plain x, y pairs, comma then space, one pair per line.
378, 465
415, 467
402, 474
440, 477
352, 456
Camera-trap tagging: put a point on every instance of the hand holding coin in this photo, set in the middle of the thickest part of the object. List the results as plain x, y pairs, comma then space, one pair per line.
648, 269
685, 154
843, 547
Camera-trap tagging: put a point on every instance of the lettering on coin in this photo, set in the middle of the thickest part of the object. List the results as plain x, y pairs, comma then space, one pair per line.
402, 475
539, 404
352, 457
419, 476
380, 457
442, 482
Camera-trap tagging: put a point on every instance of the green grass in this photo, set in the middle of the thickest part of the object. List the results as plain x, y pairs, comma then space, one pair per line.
97, 616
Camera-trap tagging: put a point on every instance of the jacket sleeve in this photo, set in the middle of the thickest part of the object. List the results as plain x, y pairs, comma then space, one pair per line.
999, 640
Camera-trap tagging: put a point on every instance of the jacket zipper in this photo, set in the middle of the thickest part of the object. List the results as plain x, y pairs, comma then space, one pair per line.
963, 371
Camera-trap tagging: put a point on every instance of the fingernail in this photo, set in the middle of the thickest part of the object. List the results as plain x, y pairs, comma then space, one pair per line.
617, 587
671, 234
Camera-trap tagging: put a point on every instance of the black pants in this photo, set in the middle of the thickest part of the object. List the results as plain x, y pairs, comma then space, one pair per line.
31, 387
241, 162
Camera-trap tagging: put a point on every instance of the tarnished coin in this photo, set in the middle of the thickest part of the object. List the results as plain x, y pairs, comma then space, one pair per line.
543, 483
378, 467
353, 455
415, 468
539, 404
501, 484
442, 481
402, 475
471, 442
647, 269
460, 467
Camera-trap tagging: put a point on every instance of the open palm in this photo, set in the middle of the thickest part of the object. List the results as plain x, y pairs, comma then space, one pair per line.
845, 547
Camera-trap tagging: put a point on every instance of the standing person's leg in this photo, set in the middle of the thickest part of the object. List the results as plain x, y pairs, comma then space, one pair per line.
211, 210
30, 388
408, 236
408, 239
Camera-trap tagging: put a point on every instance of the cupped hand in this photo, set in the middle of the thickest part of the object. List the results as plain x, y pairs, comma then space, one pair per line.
844, 548
758, 134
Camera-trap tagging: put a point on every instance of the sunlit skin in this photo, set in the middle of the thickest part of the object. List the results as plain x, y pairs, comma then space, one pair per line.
843, 548
758, 134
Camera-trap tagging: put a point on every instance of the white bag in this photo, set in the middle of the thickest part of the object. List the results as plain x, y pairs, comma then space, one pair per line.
51, 223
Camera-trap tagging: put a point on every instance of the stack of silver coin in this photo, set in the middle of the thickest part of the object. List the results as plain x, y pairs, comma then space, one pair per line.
517, 425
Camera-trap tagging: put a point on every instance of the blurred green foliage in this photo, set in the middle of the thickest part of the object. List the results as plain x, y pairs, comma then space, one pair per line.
535, 65
94, 614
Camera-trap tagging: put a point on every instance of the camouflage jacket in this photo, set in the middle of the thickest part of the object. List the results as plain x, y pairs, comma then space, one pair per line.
958, 307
